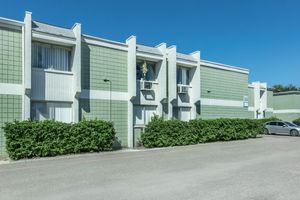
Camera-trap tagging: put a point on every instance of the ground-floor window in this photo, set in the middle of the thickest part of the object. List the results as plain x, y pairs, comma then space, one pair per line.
52, 110
143, 114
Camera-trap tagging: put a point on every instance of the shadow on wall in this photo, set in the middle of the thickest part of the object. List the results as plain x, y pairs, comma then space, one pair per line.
84, 104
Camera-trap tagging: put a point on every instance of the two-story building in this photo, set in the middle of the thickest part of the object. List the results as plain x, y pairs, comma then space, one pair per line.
52, 72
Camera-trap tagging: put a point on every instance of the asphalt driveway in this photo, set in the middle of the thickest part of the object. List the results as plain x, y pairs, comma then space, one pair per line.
259, 169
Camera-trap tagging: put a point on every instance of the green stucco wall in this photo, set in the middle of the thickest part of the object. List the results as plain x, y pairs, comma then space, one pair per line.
100, 63
10, 110
287, 102
211, 112
10, 56
223, 84
291, 101
270, 99
287, 116
100, 109
251, 96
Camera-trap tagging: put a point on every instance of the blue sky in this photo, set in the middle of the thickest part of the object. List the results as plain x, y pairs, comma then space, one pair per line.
262, 35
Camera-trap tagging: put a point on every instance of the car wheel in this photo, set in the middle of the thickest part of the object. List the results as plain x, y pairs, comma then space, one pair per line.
294, 133
266, 131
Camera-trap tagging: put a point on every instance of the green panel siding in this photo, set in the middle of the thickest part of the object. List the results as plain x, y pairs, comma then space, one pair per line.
100, 63
269, 114
100, 109
10, 56
10, 110
270, 99
251, 114
251, 97
223, 84
211, 112
291, 101
287, 116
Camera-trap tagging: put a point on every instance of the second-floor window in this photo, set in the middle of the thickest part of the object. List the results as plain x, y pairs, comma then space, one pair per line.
183, 76
48, 56
145, 71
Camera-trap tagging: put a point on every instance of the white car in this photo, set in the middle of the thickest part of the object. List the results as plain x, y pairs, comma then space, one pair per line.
282, 127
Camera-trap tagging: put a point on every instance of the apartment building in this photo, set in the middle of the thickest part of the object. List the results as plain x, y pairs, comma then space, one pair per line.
52, 72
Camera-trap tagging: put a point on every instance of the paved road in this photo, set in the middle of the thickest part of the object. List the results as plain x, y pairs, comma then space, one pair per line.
258, 169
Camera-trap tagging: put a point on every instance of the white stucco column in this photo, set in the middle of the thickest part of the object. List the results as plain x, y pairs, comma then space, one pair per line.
76, 68
196, 87
172, 86
162, 78
27, 65
131, 59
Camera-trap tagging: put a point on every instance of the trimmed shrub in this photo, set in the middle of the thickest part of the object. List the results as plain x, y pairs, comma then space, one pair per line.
27, 139
162, 133
297, 121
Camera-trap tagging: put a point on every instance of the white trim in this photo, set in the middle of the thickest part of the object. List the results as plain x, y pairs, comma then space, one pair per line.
186, 63
23, 73
13, 89
148, 56
269, 110
223, 66
221, 102
52, 71
9, 23
287, 111
104, 43
103, 95
54, 39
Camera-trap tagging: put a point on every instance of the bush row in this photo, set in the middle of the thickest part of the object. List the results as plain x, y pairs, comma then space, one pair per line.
297, 121
162, 133
29, 139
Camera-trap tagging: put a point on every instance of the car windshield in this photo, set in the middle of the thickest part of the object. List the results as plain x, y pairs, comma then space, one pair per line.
290, 124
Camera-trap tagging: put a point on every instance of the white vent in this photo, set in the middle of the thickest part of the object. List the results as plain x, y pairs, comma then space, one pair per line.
146, 85
182, 89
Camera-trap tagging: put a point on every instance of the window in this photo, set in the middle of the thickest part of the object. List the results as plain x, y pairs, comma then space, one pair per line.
183, 76
49, 110
150, 71
290, 124
48, 56
246, 101
280, 124
272, 123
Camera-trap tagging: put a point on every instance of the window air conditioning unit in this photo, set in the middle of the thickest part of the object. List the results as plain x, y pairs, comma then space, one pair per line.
183, 89
146, 85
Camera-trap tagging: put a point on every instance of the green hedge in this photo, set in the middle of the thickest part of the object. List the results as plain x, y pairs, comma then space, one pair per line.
27, 139
297, 121
162, 133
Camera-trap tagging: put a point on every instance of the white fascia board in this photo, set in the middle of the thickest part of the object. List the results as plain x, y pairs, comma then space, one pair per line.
224, 67
105, 43
104, 95
9, 23
287, 111
186, 63
221, 102
13, 89
38, 36
150, 57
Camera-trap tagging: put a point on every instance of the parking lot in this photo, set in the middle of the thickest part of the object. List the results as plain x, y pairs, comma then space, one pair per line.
259, 169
